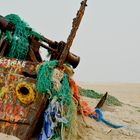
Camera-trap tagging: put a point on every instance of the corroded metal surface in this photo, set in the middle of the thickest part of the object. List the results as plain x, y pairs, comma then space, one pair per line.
55, 48
75, 26
19, 118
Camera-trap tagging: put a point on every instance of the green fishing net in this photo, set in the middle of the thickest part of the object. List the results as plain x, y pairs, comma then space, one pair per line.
19, 41
45, 84
19, 44
44, 76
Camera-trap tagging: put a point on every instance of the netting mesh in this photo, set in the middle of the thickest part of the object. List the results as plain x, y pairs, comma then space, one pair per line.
70, 132
44, 77
19, 38
19, 41
45, 85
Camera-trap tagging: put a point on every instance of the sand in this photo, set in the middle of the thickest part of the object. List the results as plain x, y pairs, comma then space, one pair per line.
128, 115
7, 137
129, 93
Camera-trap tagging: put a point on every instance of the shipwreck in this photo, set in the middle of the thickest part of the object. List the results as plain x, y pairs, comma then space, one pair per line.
26, 83
37, 97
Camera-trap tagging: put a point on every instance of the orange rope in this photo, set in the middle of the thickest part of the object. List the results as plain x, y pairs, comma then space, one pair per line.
84, 108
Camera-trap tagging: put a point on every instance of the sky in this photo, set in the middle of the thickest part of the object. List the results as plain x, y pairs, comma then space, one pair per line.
108, 39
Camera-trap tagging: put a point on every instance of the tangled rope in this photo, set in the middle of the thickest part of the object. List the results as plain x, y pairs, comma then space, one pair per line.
99, 118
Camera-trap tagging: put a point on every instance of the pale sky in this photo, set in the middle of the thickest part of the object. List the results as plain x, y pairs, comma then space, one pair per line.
108, 40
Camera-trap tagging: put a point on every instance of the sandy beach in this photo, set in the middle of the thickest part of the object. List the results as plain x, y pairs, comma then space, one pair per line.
128, 93
127, 115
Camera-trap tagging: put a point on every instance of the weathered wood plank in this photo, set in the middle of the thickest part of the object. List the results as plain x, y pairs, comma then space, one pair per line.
20, 104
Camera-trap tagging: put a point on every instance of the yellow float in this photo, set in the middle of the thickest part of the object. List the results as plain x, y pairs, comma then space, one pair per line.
25, 93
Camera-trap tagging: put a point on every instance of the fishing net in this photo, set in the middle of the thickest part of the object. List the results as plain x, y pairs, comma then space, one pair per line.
45, 84
46, 76
18, 39
71, 131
